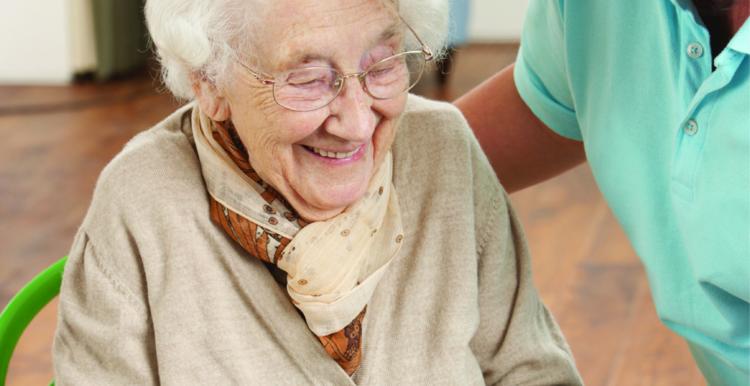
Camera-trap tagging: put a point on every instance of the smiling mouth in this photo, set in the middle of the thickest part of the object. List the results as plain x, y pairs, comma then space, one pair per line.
332, 154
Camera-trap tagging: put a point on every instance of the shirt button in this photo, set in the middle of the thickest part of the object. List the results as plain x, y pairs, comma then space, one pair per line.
695, 50
691, 127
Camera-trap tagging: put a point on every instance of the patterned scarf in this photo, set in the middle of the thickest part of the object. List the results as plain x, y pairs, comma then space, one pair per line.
332, 266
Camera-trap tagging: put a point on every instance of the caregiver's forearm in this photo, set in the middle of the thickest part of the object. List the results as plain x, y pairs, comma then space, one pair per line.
522, 150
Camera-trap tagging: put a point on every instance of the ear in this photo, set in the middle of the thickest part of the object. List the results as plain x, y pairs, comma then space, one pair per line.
211, 101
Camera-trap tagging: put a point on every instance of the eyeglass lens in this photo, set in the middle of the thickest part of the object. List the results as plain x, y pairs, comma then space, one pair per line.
308, 89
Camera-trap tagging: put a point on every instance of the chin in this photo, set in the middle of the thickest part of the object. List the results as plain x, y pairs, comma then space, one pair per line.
330, 202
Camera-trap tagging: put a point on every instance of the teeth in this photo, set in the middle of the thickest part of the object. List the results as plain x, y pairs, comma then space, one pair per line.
332, 154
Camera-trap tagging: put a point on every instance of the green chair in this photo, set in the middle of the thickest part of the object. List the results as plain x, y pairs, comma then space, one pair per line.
23, 307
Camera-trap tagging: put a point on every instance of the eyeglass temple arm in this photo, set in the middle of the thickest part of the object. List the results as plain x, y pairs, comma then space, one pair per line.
255, 74
429, 55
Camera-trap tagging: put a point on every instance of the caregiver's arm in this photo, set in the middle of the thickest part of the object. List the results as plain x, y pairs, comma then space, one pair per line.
522, 150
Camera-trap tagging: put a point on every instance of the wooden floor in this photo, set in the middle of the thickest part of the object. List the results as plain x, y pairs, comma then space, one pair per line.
55, 141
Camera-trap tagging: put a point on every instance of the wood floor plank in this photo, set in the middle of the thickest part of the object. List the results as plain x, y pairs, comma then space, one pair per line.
576, 279
32, 362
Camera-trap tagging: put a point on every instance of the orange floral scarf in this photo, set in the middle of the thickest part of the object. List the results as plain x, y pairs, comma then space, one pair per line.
334, 311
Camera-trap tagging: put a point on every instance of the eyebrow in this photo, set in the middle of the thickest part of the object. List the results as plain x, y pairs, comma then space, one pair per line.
300, 57
390, 32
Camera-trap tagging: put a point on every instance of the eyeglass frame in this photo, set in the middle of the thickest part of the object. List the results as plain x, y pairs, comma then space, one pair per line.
341, 78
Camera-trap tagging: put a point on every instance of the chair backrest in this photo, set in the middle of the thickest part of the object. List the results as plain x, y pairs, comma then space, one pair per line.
23, 307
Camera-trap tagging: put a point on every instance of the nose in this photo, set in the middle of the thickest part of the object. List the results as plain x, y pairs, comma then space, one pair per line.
354, 119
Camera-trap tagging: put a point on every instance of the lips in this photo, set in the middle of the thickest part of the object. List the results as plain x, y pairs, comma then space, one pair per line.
333, 154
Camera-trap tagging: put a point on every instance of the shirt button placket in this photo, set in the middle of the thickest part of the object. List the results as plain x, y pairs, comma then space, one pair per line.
695, 50
691, 127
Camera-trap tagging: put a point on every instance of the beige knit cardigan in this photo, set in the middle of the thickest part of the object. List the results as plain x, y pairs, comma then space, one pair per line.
154, 293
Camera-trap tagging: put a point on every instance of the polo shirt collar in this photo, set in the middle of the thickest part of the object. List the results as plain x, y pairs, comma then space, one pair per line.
689, 7
686, 5
741, 40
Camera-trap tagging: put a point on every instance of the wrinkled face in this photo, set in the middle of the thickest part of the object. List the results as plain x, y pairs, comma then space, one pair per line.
321, 161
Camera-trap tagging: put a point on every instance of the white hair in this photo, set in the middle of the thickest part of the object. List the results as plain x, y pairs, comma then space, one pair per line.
198, 37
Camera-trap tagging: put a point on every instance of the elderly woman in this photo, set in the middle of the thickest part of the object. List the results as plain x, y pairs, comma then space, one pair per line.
304, 220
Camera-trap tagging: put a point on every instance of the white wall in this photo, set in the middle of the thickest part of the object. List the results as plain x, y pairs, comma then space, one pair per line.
34, 42
496, 20
82, 43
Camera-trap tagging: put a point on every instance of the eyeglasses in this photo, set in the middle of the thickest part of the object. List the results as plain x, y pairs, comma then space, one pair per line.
312, 88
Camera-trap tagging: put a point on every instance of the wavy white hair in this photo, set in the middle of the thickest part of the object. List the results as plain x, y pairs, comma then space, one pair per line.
198, 37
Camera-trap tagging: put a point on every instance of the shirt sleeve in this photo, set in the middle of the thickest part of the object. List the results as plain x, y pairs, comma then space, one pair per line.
517, 341
541, 73
104, 335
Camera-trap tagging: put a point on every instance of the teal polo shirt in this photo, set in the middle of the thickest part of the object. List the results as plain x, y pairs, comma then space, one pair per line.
668, 142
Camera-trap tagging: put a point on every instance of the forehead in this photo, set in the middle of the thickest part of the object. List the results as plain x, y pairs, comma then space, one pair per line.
295, 29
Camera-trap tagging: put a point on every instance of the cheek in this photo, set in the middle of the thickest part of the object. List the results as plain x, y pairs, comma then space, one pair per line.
296, 126
270, 138
391, 109
390, 112
267, 128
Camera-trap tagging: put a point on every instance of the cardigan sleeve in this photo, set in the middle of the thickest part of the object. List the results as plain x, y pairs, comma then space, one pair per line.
517, 341
104, 334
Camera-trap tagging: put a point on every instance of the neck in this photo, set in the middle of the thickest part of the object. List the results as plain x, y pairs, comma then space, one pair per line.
738, 14
722, 18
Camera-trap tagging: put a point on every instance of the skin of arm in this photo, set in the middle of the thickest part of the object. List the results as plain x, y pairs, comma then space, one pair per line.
523, 151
